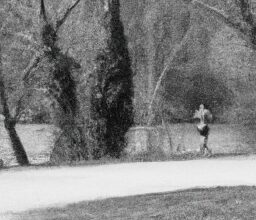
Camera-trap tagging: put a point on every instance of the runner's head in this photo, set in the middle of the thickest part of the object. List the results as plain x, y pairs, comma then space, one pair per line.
201, 106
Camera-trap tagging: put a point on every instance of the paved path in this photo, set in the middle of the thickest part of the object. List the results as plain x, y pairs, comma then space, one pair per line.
29, 189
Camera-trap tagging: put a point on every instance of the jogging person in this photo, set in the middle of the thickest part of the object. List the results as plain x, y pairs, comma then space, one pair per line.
205, 116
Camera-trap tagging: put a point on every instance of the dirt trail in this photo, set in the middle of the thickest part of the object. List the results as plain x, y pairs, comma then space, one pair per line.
30, 189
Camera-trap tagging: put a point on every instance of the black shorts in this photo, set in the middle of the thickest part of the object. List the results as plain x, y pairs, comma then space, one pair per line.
204, 131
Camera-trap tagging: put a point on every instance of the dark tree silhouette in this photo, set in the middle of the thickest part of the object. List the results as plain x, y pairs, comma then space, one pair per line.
70, 143
111, 100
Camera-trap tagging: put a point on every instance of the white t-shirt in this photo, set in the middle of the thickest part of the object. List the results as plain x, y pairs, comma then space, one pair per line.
204, 115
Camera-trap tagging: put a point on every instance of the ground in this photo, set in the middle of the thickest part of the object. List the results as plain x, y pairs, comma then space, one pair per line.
34, 188
86, 192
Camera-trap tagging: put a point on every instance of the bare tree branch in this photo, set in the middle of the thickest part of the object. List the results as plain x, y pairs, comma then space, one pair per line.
33, 64
167, 67
67, 13
242, 31
219, 14
18, 107
3, 97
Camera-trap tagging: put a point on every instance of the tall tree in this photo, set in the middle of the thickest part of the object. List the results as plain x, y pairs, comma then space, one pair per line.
111, 101
70, 144
11, 121
12, 90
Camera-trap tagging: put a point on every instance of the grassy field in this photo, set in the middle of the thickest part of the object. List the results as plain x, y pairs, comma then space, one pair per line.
224, 140
37, 140
216, 203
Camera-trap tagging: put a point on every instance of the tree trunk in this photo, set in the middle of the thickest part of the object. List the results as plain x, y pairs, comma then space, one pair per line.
151, 64
17, 146
166, 128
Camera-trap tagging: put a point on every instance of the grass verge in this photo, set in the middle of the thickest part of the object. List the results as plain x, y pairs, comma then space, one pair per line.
214, 203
